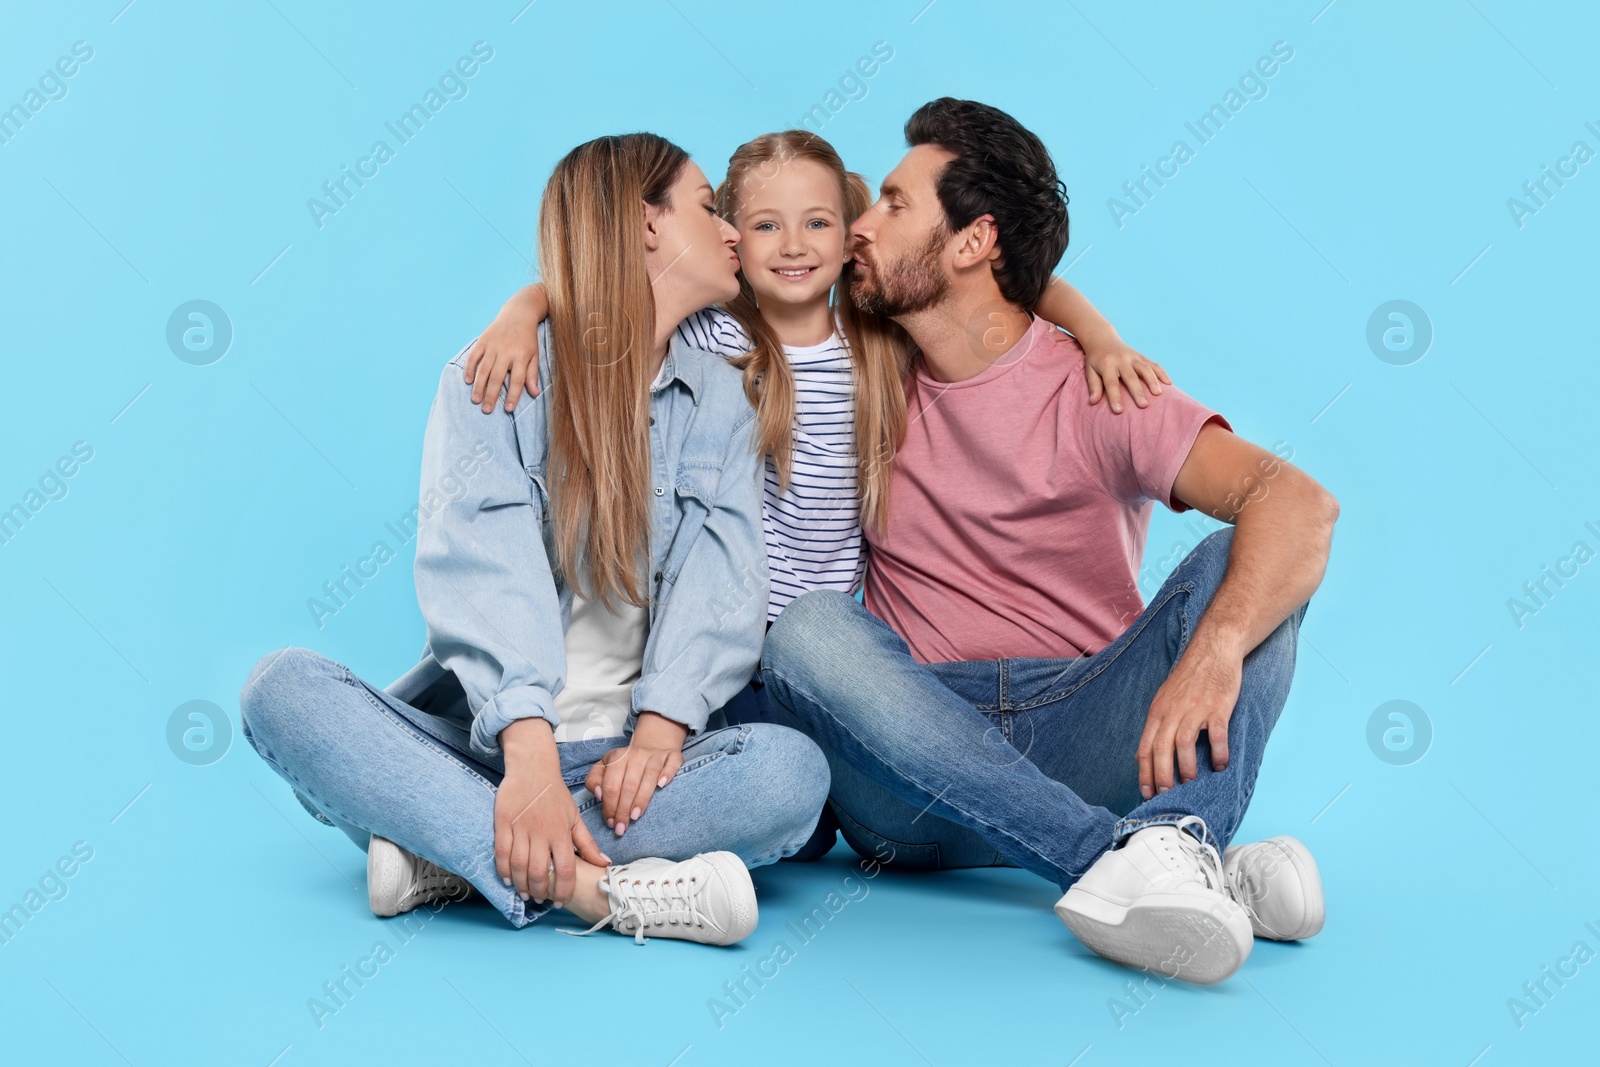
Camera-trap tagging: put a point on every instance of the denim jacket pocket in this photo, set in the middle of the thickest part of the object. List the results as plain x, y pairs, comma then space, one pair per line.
697, 493
536, 476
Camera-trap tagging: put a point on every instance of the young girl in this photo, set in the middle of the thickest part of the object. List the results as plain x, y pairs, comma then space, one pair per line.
826, 378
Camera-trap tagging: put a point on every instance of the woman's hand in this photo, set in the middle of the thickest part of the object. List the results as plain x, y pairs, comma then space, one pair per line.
1109, 365
537, 828
627, 778
509, 346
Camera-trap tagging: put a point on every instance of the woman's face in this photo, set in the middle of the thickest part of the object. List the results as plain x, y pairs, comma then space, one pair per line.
689, 247
792, 232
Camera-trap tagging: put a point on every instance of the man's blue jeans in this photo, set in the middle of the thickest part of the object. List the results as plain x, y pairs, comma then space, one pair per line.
1025, 762
368, 763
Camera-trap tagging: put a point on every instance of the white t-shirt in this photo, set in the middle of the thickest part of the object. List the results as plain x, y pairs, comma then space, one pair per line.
813, 530
605, 655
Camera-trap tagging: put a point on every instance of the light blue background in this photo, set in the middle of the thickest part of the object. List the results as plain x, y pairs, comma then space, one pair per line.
1378, 167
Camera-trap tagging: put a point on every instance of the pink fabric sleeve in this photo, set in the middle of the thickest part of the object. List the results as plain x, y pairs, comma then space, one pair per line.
1137, 455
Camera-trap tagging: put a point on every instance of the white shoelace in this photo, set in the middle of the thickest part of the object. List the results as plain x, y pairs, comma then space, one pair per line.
653, 902
1243, 887
1203, 852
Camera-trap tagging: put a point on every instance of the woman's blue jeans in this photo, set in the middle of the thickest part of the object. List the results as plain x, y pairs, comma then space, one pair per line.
369, 763
1025, 762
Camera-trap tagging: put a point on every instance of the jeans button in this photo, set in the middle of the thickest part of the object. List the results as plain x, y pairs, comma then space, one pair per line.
659, 490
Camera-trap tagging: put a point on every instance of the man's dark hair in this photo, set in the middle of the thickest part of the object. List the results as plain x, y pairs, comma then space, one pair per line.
1001, 169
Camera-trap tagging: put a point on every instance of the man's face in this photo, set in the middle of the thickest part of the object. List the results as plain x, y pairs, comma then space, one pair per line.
901, 241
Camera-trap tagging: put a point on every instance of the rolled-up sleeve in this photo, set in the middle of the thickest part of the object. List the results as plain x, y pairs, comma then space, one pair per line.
484, 581
706, 639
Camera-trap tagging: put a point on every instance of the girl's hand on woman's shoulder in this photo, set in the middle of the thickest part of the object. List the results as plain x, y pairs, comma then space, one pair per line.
508, 348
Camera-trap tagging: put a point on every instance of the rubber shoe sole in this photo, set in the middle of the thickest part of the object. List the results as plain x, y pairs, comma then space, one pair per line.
384, 873
1171, 935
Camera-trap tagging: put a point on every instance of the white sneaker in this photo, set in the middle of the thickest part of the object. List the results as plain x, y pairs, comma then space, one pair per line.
1160, 902
707, 898
397, 881
1278, 884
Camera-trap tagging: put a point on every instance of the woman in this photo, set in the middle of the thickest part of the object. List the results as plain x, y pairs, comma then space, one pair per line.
600, 551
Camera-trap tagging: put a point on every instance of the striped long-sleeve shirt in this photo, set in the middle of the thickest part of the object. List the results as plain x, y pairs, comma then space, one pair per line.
813, 529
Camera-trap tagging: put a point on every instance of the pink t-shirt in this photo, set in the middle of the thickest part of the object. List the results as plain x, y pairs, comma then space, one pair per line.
1018, 512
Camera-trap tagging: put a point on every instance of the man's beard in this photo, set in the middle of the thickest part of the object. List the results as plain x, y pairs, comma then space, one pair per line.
910, 284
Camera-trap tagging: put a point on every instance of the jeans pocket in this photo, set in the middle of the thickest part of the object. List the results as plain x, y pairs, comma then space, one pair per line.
712, 745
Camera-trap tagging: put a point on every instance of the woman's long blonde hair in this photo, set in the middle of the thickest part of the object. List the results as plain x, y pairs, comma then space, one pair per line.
878, 348
602, 323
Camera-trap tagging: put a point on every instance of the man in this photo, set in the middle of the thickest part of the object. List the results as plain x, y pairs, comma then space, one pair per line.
1004, 696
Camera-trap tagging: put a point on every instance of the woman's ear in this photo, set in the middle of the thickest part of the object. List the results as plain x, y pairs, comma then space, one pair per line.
652, 239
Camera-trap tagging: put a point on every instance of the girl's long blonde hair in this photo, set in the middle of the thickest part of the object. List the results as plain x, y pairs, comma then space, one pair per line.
878, 347
602, 322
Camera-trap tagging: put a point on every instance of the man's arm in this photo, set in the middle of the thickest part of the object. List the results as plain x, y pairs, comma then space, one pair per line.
1283, 528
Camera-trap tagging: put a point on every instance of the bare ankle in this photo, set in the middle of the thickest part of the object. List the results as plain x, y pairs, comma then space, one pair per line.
589, 901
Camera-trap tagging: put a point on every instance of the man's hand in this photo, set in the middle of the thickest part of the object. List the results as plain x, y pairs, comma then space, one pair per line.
537, 828
1199, 694
627, 778
1283, 526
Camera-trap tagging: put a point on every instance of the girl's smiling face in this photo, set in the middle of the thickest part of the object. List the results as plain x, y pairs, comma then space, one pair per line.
792, 231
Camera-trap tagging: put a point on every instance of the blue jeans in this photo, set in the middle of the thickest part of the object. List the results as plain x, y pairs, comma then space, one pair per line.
369, 763
1027, 762
750, 706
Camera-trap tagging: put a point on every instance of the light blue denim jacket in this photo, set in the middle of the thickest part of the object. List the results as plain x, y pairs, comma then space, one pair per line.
497, 612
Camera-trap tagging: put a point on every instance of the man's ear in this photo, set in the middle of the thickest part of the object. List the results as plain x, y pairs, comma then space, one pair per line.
652, 239
978, 241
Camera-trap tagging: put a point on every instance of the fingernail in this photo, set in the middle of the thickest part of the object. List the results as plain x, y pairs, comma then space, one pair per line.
524, 896
606, 858
507, 881
661, 783
597, 792
634, 814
